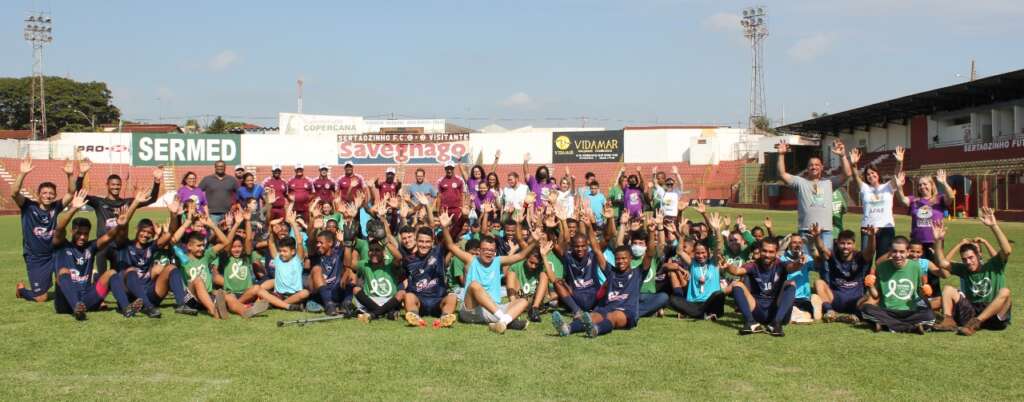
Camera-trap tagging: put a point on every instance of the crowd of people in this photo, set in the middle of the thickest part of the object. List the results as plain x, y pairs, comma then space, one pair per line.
468, 249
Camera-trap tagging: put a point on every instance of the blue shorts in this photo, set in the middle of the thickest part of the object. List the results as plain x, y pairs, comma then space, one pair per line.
630, 316
586, 299
430, 306
765, 310
150, 293
845, 300
40, 275
90, 298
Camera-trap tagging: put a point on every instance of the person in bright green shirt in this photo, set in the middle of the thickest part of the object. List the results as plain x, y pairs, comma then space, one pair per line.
195, 260
530, 281
983, 300
838, 210
380, 295
615, 193
456, 275
897, 286
235, 271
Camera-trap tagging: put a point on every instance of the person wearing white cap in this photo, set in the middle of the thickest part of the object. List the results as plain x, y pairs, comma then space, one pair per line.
300, 190
450, 189
239, 172
350, 184
279, 187
390, 185
324, 186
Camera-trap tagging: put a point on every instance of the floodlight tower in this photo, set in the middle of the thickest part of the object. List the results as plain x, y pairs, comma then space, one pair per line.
38, 32
755, 29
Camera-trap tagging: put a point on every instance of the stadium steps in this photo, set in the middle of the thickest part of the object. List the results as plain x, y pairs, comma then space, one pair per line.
8, 180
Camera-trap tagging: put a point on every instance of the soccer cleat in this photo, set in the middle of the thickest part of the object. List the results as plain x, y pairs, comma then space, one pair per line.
518, 325
710, 317
132, 308
751, 329
363, 318
830, 317
560, 326
588, 323
414, 320
152, 312
497, 327
848, 319
313, 307
776, 330
221, 303
447, 320
184, 309
969, 329
348, 312
660, 313
295, 307
947, 325
591, 332
876, 327
392, 315
79, 311
919, 329
257, 308
436, 324
533, 315
330, 309
18, 288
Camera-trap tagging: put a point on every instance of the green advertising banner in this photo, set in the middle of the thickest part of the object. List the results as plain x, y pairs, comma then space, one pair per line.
149, 149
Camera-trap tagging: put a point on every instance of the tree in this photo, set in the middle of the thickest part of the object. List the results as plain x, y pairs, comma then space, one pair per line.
218, 126
192, 126
817, 115
762, 123
70, 105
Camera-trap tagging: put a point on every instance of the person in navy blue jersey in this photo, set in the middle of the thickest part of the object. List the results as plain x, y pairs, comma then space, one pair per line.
38, 220
765, 296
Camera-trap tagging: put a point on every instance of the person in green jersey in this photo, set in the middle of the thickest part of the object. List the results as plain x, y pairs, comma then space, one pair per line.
234, 272
456, 275
897, 286
379, 295
195, 260
983, 300
530, 280
615, 193
838, 210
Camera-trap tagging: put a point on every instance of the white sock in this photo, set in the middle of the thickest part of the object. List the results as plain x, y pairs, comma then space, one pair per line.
503, 318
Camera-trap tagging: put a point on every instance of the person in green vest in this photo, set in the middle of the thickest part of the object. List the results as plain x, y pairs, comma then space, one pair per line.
838, 210
615, 193
380, 295
195, 260
897, 286
983, 300
235, 270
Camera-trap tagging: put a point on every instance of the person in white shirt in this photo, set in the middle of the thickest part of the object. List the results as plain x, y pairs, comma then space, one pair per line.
515, 193
876, 198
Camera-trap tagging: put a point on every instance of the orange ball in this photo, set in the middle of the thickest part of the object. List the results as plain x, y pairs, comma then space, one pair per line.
869, 281
927, 290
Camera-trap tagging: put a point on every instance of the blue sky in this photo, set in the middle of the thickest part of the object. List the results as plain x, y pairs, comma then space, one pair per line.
545, 63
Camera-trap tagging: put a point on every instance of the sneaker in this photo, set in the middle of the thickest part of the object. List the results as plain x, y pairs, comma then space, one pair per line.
971, 327
588, 325
561, 327
392, 315
447, 320
186, 309
876, 327
776, 330
257, 308
919, 329
221, 303
330, 309
533, 315
710, 317
751, 329
414, 320
363, 318
79, 311
294, 307
518, 325
830, 316
497, 327
848, 319
348, 311
132, 308
18, 288
660, 313
947, 325
152, 312
591, 332
313, 307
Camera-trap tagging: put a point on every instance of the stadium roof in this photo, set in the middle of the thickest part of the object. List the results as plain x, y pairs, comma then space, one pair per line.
982, 91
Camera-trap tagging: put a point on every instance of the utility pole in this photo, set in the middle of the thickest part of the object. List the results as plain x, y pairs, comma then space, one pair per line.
299, 82
38, 32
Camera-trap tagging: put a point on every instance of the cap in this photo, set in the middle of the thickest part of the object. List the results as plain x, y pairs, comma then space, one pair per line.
389, 170
324, 166
298, 166
275, 167
349, 163
449, 164
239, 167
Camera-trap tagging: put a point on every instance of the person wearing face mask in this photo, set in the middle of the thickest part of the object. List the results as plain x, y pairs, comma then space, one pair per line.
540, 183
897, 287
633, 196
983, 300
814, 192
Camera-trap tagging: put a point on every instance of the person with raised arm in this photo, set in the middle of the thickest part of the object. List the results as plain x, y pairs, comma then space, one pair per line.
876, 198
814, 192
38, 221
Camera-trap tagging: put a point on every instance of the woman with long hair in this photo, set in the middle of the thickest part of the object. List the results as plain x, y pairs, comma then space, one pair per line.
876, 198
189, 190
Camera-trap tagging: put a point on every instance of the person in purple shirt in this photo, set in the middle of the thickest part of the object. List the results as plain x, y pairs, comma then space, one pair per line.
633, 197
483, 194
189, 191
541, 183
930, 205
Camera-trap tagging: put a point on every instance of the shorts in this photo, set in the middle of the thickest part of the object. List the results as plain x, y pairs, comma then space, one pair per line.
631, 317
430, 305
964, 311
283, 296
845, 300
380, 300
40, 275
480, 315
90, 298
586, 299
804, 305
765, 310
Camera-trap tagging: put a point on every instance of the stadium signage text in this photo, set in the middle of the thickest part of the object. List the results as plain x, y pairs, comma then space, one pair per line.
991, 146
387, 148
184, 149
587, 146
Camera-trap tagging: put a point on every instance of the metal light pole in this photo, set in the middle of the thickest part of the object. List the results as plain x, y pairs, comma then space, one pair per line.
92, 120
38, 32
755, 29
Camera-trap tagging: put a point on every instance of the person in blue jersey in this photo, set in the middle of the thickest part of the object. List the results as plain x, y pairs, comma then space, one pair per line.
137, 285
484, 272
328, 271
582, 261
78, 289
765, 296
425, 292
807, 306
38, 219
841, 276
620, 309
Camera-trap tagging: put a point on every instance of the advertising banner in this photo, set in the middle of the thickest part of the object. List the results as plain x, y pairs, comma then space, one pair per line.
97, 147
412, 148
587, 146
313, 124
149, 149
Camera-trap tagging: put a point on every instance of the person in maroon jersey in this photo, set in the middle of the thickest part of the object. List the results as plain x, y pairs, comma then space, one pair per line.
450, 189
324, 186
300, 191
280, 189
389, 186
350, 184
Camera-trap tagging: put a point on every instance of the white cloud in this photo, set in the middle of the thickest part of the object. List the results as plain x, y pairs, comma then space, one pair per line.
221, 61
809, 48
723, 22
517, 99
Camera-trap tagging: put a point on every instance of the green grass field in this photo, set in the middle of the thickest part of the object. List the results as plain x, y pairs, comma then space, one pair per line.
196, 358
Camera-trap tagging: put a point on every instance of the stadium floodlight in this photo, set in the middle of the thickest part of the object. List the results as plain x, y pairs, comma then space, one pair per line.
39, 32
755, 29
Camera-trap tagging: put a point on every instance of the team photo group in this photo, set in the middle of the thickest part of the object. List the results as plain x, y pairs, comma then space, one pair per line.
589, 255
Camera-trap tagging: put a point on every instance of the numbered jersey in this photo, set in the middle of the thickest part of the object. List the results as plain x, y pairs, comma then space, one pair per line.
140, 258
379, 281
192, 268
